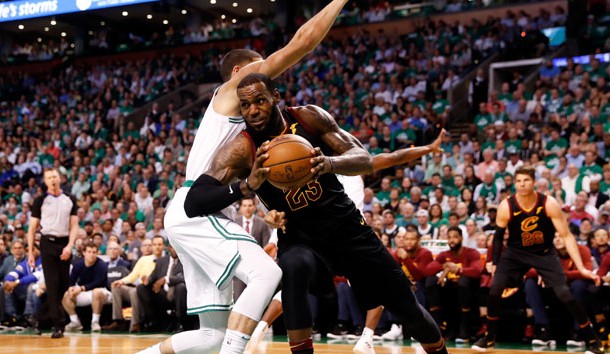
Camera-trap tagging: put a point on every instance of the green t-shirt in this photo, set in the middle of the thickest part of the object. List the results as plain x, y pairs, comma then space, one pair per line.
513, 146
383, 197
591, 170
482, 121
440, 106
404, 135
556, 146
551, 161
489, 192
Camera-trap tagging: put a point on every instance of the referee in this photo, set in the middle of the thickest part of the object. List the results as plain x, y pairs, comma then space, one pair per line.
55, 212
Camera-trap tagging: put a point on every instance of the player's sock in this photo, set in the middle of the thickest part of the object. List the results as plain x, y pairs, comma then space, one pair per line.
304, 346
436, 348
95, 318
368, 333
155, 349
74, 318
258, 331
234, 342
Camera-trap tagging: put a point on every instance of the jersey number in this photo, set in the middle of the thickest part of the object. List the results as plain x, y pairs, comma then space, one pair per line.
530, 239
299, 198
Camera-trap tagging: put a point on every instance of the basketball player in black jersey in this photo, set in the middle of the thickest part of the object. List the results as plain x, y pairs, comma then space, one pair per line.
325, 229
532, 220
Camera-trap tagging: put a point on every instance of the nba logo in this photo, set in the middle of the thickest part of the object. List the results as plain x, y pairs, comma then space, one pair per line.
83, 4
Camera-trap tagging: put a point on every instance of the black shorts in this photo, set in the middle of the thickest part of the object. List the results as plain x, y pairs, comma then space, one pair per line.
357, 253
514, 263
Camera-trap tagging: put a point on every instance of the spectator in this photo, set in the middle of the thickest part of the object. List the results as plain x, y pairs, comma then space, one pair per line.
87, 288
164, 289
461, 272
18, 287
125, 289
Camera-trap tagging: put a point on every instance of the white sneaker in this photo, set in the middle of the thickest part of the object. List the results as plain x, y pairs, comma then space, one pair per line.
95, 327
364, 346
257, 336
73, 327
395, 333
545, 343
575, 343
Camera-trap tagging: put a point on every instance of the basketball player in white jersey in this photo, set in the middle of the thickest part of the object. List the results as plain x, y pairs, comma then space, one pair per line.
212, 248
354, 188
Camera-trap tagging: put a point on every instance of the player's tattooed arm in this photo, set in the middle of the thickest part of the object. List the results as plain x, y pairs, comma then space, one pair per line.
234, 160
349, 159
212, 191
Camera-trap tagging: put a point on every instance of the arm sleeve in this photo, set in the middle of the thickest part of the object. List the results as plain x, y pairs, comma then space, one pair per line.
496, 251
37, 207
208, 195
74, 205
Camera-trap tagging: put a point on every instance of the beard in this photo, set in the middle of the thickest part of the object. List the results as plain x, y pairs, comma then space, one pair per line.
273, 127
456, 247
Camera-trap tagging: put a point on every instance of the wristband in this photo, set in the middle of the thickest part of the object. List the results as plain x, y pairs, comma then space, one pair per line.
248, 185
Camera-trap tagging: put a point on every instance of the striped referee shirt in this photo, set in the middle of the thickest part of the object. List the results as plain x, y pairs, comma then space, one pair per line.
54, 213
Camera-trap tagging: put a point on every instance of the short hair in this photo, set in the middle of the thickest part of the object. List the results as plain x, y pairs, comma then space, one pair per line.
49, 169
526, 170
456, 229
90, 245
236, 57
254, 78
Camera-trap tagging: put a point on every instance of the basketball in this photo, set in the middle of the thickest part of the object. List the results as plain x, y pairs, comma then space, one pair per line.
289, 161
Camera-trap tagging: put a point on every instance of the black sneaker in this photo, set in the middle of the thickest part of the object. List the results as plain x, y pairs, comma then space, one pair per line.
356, 333
339, 332
57, 333
543, 338
484, 343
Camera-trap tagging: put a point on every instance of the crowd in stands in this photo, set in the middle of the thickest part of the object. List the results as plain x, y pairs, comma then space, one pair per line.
389, 92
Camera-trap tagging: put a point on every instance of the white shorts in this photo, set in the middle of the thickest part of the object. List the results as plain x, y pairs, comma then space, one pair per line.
85, 298
208, 249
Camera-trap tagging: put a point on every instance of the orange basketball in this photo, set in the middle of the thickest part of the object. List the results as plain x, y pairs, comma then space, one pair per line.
289, 161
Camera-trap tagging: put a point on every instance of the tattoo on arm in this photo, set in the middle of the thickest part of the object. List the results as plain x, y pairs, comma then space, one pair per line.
232, 161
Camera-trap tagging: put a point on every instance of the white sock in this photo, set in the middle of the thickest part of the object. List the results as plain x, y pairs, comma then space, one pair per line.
367, 333
74, 318
260, 328
234, 342
95, 318
155, 349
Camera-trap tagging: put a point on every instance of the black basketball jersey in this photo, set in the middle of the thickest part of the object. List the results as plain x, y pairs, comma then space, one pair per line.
530, 230
314, 209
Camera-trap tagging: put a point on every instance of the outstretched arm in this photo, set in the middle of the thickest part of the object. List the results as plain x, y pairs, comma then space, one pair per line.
306, 39
403, 156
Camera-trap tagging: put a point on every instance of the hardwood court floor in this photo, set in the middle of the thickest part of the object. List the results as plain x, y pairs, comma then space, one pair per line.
115, 344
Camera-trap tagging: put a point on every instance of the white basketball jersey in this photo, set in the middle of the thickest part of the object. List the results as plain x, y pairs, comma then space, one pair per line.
354, 188
214, 132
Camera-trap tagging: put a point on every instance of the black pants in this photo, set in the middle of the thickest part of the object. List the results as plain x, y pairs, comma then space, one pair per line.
154, 305
375, 276
56, 275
